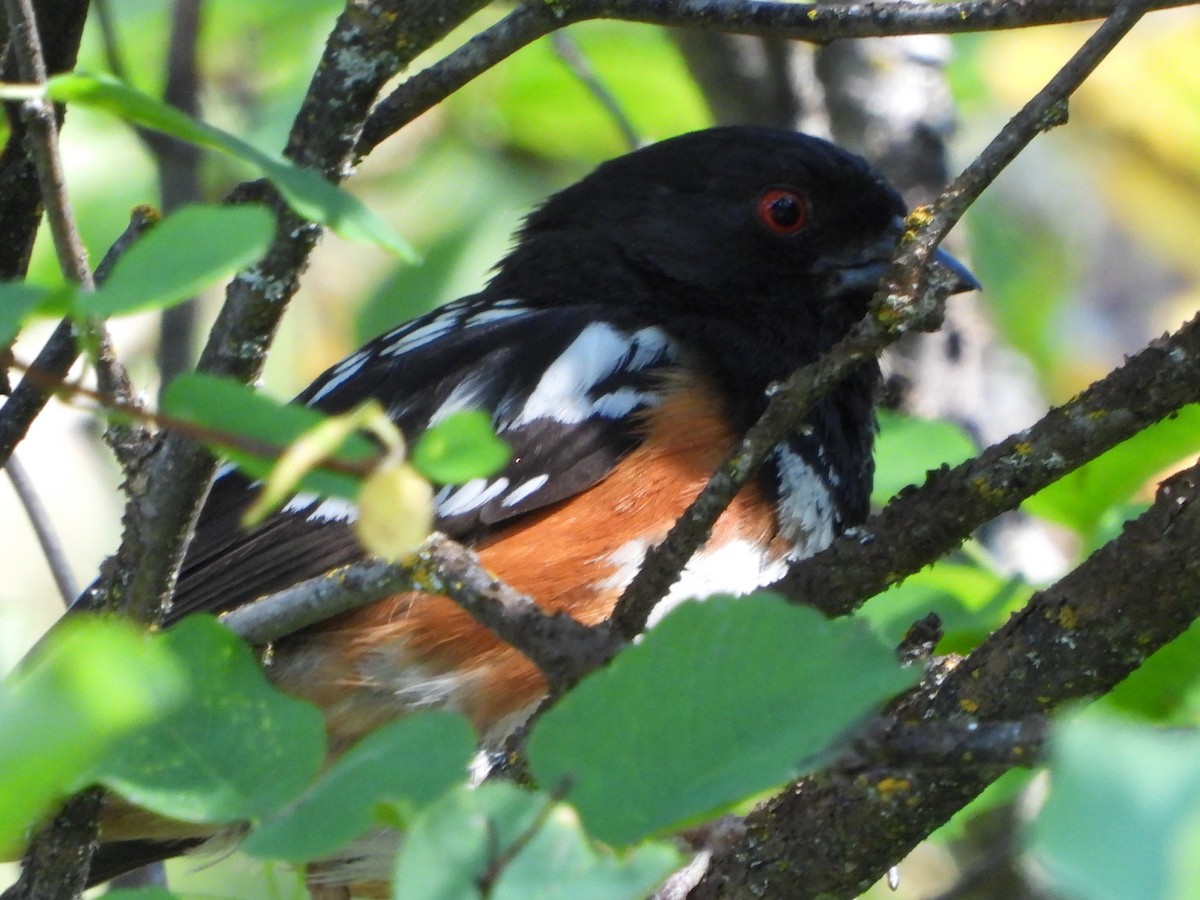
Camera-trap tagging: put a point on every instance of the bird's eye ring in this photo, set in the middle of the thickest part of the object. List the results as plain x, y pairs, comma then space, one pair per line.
782, 210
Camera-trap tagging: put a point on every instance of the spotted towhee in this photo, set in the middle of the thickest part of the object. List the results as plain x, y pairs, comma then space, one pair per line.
621, 349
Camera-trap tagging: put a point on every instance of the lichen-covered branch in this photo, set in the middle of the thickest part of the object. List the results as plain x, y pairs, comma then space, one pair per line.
803, 22
923, 524
837, 832
60, 28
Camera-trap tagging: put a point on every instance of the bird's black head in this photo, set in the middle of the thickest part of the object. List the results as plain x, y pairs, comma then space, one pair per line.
757, 249
778, 226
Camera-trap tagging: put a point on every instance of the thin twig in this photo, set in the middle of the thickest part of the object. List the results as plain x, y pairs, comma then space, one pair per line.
562, 648
39, 118
108, 39
568, 51
178, 164
501, 858
42, 139
59, 353
910, 298
339, 591
47, 537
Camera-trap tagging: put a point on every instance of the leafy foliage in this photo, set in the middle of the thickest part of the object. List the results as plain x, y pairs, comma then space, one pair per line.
86, 690
721, 700
185, 252
522, 845
460, 447
182, 763
405, 765
233, 412
908, 447
310, 195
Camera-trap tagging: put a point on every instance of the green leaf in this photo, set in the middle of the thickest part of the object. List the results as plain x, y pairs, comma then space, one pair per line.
409, 762
721, 700
18, 303
91, 681
1121, 817
457, 843
145, 893
305, 191
227, 406
559, 862
460, 447
908, 447
184, 253
1080, 499
235, 748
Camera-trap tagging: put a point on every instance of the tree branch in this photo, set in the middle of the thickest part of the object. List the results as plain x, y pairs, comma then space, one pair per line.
61, 25
804, 22
41, 137
561, 647
43, 527
836, 832
368, 45
908, 534
950, 744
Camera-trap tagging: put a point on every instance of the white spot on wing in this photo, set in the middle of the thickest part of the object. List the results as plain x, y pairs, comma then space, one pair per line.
334, 509
472, 495
300, 503
562, 392
521, 491
649, 346
621, 402
497, 313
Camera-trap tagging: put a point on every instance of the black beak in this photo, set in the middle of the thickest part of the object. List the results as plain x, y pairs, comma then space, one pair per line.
865, 275
961, 278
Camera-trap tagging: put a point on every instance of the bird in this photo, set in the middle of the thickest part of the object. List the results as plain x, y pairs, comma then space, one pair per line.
621, 348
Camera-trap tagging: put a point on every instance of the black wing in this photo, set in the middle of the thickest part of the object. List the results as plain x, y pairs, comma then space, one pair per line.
562, 385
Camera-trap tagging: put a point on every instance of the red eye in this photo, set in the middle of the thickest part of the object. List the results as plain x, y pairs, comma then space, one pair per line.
783, 211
